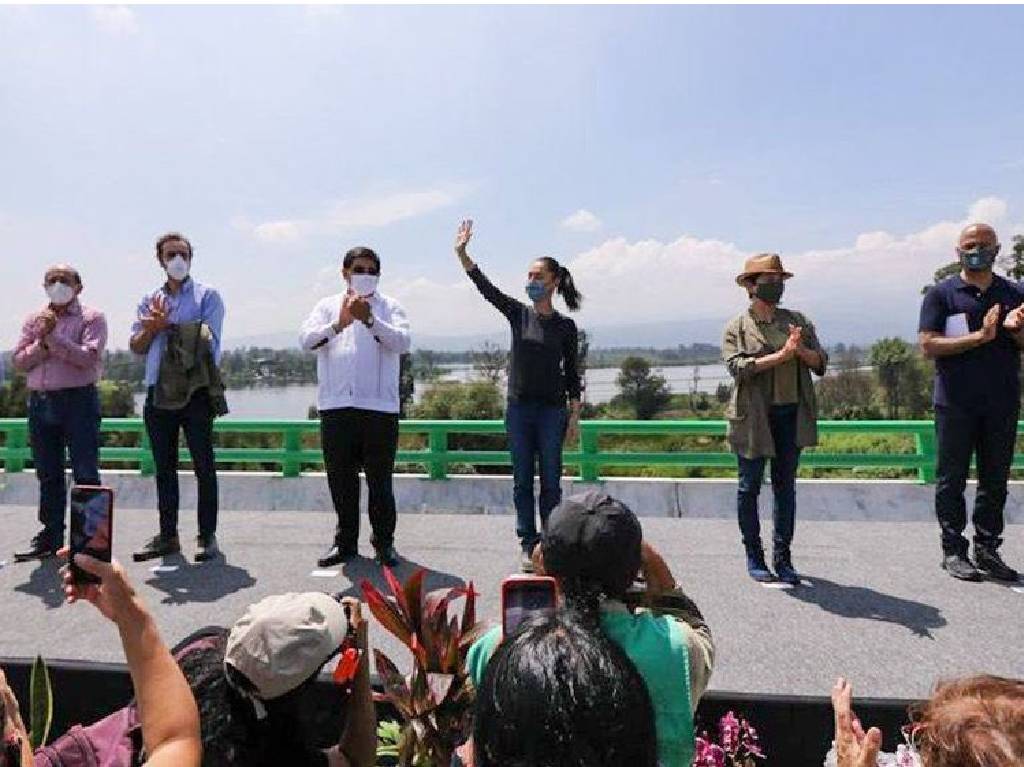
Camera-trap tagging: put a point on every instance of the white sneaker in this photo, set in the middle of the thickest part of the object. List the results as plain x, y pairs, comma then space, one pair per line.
526, 562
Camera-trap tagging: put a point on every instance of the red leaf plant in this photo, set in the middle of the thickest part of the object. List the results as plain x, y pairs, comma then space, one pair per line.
435, 700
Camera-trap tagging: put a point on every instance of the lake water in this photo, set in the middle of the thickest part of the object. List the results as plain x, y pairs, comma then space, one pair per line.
294, 401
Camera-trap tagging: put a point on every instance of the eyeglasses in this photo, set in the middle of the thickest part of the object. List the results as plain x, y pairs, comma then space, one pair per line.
63, 279
365, 270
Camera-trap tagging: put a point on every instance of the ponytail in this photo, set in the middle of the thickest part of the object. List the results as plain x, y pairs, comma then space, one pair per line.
566, 285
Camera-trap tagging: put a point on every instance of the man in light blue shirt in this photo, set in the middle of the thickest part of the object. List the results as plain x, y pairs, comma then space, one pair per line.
178, 301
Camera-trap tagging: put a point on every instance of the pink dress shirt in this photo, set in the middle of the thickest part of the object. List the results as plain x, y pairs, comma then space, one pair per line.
72, 355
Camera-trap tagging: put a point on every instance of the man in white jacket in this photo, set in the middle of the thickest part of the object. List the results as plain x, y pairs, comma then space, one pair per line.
359, 336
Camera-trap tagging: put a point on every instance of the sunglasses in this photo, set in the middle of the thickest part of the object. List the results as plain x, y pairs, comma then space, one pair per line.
365, 270
53, 279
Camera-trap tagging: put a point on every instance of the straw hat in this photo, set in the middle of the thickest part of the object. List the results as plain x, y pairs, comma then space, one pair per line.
762, 263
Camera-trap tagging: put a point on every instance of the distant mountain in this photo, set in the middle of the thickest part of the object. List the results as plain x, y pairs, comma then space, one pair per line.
832, 328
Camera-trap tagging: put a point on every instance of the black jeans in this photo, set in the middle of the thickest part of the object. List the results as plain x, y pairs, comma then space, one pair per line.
782, 421
991, 436
163, 427
58, 419
354, 439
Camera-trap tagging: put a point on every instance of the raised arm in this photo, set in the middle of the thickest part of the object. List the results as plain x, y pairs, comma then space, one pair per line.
393, 334
87, 352
167, 709
318, 328
743, 365
357, 746
151, 316
936, 344
30, 349
500, 301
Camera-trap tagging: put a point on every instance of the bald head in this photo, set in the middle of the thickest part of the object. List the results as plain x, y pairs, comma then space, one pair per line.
65, 273
978, 236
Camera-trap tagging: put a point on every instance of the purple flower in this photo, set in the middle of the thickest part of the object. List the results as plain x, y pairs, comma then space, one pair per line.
729, 729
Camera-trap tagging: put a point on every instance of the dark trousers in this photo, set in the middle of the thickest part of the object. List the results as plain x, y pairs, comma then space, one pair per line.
71, 418
354, 439
163, 427
782, 419
535, 434
990, 436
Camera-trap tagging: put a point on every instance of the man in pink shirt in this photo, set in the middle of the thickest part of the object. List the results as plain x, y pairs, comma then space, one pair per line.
59, 350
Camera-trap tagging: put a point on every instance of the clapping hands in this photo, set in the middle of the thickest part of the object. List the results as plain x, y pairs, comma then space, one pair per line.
158, 316
1014, 321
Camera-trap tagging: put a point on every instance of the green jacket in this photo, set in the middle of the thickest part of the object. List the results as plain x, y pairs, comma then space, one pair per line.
186, 366
749, 432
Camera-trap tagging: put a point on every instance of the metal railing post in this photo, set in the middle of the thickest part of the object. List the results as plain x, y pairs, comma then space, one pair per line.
590, 470
17, 439
925, 442
291, 466
437, 446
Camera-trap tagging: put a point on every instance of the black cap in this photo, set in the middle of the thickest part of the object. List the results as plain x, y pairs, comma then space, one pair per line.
593, 537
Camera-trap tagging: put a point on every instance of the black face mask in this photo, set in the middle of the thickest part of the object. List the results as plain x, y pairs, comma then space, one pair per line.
978, 259
770, 292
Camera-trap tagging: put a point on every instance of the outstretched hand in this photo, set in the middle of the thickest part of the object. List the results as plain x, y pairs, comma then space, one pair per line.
463, 235
113, 596
854, 747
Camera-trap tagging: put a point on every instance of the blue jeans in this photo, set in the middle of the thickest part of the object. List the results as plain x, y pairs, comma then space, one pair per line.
535, 433
71, 418
163, 428
782, 419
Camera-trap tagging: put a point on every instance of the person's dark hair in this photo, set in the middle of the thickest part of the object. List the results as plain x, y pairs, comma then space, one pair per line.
556, 694
972, 722
566, 286
232, 736
360, 252
171, 237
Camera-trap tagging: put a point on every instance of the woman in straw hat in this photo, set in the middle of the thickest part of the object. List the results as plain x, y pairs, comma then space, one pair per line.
770, 353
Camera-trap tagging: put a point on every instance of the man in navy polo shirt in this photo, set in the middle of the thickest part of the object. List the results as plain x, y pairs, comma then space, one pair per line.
971, 326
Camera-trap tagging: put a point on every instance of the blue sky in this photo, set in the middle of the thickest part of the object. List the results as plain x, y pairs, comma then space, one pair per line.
853, 140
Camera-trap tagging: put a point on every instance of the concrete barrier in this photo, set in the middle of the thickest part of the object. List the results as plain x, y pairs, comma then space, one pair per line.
817, 499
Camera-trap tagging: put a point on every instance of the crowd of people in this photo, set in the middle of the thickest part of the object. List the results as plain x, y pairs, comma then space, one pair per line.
611, 678
615, 674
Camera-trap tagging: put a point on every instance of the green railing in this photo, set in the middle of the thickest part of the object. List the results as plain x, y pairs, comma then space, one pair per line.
294, 452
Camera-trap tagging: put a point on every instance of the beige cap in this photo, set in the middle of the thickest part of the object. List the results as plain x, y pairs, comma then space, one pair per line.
283, 640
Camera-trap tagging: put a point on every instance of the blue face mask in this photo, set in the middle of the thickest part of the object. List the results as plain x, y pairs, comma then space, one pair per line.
977, 259
535, 290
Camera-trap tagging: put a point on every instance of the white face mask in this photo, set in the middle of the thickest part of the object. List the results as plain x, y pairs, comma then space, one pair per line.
177, 268
364, 284
59, 293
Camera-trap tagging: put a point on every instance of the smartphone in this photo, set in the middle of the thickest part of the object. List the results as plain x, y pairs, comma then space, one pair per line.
526, 595
92, 527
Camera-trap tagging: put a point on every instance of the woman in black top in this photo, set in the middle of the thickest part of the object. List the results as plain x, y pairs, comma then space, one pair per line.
542, 376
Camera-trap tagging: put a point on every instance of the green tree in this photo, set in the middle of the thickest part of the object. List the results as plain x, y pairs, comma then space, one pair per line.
894, 362
1014, 260
942, 273
640, 389
490, 362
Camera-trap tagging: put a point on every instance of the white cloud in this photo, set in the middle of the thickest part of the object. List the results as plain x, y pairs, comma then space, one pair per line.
115, 19
868, 287
345, 215
582, 221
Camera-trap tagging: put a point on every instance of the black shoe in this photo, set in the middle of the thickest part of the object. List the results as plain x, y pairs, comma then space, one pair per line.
959, 566
991, 565
208, 548
387, 556
785, 571
337, 554
42, 546
756, 566
158, 546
